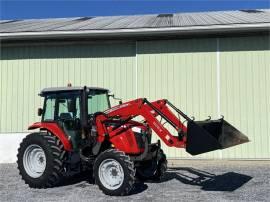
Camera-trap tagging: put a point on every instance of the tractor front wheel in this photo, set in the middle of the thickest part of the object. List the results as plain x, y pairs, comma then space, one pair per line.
114, 172
40, 160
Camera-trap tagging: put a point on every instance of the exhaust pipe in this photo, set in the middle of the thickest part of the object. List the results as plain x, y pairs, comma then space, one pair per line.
210, 135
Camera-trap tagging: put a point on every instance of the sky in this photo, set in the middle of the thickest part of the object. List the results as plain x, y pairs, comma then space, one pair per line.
27, 9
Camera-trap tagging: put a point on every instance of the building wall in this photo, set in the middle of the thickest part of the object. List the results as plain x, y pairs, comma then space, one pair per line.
219, 76
228, 76
183, 71
26, 70
245, 95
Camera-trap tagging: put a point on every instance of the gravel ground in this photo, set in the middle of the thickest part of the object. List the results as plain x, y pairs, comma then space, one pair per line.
188, 181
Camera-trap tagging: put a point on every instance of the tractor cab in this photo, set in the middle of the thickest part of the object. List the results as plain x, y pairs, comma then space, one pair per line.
72, 107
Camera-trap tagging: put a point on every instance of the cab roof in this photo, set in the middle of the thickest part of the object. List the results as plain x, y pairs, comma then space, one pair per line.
51, 90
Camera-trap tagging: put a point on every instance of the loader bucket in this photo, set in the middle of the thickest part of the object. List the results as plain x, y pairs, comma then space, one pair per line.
210, 135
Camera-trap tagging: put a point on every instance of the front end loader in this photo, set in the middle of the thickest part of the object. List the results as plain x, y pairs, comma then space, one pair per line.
80, 132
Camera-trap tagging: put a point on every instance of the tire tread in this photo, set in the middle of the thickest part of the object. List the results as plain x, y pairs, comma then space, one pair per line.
54, 145
129, 165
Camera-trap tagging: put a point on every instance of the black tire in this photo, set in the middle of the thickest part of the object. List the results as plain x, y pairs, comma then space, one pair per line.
153, 170
128, 170
54, 153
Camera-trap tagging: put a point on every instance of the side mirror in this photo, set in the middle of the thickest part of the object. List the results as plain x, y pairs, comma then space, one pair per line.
40, 111
110, 94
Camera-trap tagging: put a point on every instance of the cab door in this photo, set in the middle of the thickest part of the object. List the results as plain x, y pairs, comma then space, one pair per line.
65, 108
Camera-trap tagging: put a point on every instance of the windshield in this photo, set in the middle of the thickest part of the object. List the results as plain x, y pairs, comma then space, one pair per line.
97, 102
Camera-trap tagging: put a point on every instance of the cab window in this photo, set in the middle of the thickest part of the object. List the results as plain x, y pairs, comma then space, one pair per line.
62, 106
97, 102
49, 109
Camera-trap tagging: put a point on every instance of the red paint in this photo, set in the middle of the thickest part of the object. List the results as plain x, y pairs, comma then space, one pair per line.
123, 138
126, 142
54, 129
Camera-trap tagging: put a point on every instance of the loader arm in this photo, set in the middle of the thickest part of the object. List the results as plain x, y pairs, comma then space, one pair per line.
149, 111
196, 136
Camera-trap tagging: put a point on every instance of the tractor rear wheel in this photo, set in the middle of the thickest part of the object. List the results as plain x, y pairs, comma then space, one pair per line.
40, 160
153, 169
114, 172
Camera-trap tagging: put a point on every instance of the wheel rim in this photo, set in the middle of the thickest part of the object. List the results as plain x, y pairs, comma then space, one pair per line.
111, 174
34, 160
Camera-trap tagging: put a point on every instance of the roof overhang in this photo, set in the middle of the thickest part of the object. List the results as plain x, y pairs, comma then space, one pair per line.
140, 32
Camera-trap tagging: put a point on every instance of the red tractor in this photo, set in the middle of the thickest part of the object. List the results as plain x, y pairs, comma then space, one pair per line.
79, 131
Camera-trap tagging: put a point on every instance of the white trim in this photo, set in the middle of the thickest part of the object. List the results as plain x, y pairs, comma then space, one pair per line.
218, 83
218, 78
9, 144
136, 71
139, 32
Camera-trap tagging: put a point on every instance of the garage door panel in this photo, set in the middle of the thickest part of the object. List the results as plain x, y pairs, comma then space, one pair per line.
184, 72
25, 70
245, 93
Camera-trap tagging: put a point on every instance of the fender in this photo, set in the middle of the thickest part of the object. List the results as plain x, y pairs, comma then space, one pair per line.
54, 129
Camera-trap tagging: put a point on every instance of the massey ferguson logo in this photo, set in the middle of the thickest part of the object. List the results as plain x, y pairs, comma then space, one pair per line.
116, 107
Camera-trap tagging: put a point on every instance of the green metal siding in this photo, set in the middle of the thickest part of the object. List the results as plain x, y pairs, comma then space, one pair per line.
228, 76
26, 70
245, 95
183, 71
